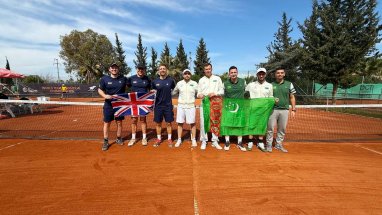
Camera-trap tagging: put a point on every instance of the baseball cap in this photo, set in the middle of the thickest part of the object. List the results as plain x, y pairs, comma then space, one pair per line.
187, 70
261, 70
114, 64
141, 66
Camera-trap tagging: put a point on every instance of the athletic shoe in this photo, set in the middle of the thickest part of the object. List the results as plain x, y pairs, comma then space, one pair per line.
144, 142
226, 146
268, 148
281, 148
157, 143
216, 145
105, 145
170, 144
241, 147
250, 146
178, 142
203, 145
119, 141
194, 144
260, 145
131, 142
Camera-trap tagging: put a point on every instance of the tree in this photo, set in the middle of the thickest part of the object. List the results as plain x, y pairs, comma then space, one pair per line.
168, 60
141, 53
283, 52
153, 67
33, 79
180, 62
201, 58
165, 56
123, 68
338, 37
87, 53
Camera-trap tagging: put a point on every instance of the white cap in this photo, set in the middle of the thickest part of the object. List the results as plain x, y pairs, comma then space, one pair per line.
186, 70
261, 70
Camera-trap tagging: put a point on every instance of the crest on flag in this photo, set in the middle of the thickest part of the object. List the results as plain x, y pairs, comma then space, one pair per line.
133, 104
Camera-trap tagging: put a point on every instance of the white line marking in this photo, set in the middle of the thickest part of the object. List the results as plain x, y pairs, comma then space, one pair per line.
370, 150
194, 183
12, 145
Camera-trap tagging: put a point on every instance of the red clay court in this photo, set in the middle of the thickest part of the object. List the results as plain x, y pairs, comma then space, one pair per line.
334, 166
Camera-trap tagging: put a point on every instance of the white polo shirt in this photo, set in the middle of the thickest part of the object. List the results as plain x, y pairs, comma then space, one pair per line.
187, 92
209, 85
257, 90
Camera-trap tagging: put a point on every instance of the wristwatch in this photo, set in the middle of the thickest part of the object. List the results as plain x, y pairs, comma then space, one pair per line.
294, 110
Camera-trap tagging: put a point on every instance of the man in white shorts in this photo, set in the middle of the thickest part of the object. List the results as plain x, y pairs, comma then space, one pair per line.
186, 89
259, 89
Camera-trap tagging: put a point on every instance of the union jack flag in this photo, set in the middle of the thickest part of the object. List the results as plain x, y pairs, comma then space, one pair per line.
133, 104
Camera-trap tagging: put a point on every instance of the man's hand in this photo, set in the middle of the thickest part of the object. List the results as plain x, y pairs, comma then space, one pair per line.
200, 96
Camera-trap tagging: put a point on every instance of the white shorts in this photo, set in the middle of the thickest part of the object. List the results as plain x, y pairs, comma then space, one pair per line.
185, 114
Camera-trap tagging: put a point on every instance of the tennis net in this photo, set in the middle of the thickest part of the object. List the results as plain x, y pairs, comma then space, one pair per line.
83, 120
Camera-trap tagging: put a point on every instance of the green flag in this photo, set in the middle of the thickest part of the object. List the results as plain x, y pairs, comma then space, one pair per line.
245, 116
206, 113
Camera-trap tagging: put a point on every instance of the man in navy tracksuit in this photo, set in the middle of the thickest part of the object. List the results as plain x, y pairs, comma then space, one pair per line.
163, 85
139, 83
110, 85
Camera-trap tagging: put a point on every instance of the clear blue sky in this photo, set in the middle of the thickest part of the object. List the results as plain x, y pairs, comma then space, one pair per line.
236, 31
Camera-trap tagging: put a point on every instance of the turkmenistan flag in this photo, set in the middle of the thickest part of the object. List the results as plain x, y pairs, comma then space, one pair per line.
245, 116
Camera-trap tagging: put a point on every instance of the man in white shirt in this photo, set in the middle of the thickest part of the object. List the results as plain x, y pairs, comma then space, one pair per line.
209, 85
259, 89
186, 89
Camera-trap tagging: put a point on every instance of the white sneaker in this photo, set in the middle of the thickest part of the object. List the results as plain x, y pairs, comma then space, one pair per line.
241, 147
226, 146
250, 146
216, 145
131, 142
203, 146
194, 144
261, 146
177, 144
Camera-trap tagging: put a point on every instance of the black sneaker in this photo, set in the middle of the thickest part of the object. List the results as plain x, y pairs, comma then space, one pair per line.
105, 145
119, 141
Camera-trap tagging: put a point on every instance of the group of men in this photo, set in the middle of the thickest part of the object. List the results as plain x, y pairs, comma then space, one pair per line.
209, 85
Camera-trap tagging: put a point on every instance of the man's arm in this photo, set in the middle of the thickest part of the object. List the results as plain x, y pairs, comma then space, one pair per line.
103, 94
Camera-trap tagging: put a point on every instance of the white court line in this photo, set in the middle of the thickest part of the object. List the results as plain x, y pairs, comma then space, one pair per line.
370, 150
12, 145
194, 184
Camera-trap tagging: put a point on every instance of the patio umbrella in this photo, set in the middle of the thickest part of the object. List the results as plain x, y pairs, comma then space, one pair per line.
5, 73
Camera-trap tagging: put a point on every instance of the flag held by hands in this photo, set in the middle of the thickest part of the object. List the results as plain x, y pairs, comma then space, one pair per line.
133, 104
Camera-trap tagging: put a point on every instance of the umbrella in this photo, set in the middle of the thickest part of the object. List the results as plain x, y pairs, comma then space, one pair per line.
5, 73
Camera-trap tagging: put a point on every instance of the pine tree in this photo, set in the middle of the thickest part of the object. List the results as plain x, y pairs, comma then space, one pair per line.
153, 67
283, 52
123, 68
201, 58
345, 33
141, 53
165, 57
180, 62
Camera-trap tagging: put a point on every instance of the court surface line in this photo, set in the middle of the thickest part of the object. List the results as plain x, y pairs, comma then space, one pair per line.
13, 145
194, 183
369, 149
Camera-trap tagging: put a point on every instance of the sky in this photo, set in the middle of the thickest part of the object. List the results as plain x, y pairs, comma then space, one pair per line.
236, 32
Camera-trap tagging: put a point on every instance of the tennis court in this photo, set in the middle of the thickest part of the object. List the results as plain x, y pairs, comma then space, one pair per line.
334, 166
